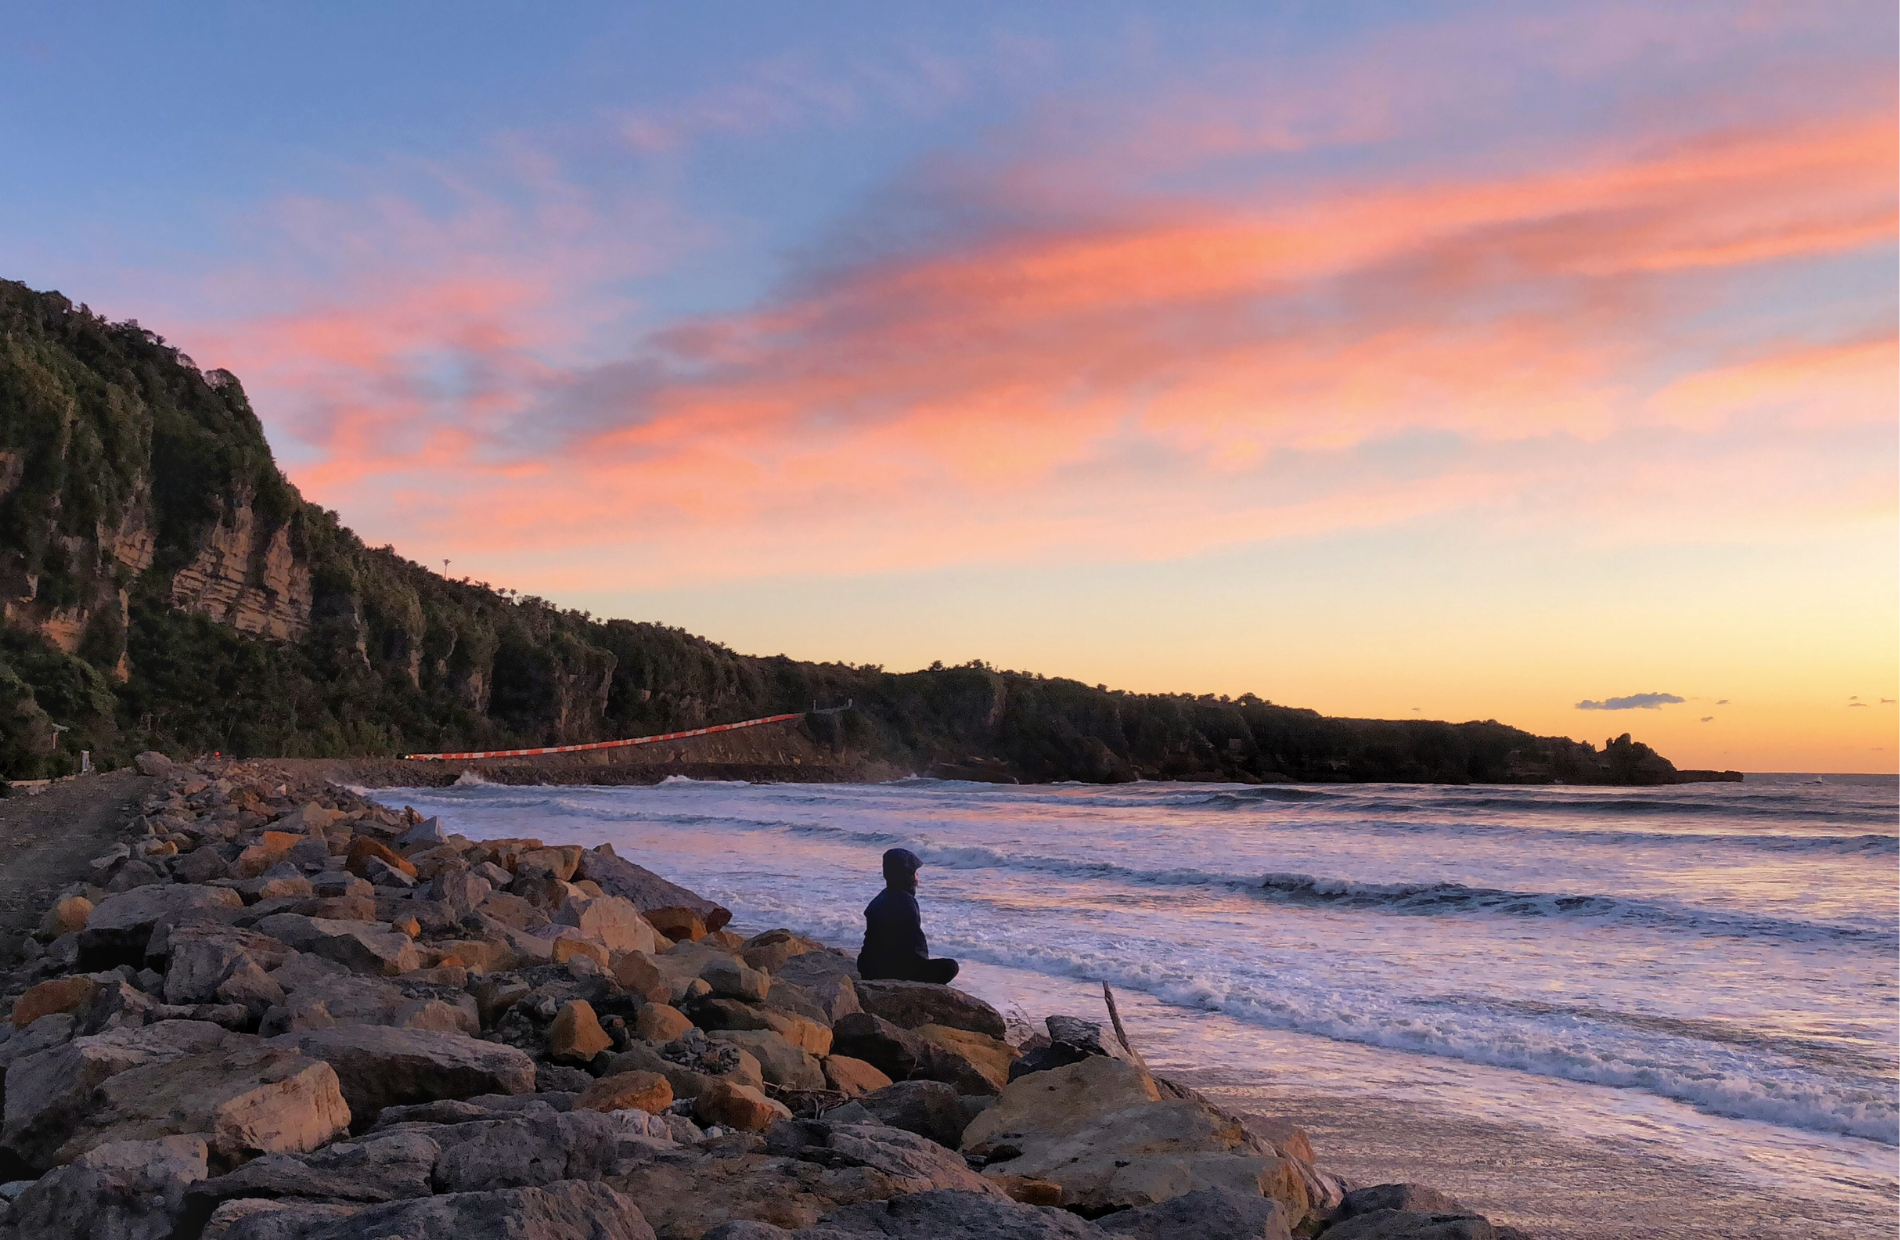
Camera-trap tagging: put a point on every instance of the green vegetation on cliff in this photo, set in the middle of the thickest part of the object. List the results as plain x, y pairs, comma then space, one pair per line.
163, 586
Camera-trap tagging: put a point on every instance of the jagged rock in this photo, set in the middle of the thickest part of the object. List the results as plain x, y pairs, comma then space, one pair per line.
1207, 1214
379, 1067
200, 865
903, 1054
1417, 1198
425, 833
1413, 1225
356, 945
639, 975
251, 987
363, 849
260, 1218
560, 860
539, 1146
647, 890
1101, 1129
203, 954
928, 1108
568, 950
382, 874
827, 979
48, 1091
122, 1190
568, 1210
118, 929
614, 921
768, 951
576, 1036
951, 1214
56, 994
461, 890
852, 1077
270, 848
681, 925
915, 1163
153, 763
660, 1023
732, 1105
249, 1098
628, 1091
910, 1004
730, 979
990, 1057
347, 999
781, 1063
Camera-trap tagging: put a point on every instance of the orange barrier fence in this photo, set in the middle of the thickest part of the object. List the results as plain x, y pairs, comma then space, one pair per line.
638, 740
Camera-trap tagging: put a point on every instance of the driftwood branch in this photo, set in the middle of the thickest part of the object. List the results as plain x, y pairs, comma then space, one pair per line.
1121, 1034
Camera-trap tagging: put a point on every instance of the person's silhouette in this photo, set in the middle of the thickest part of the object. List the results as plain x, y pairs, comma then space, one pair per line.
894, 944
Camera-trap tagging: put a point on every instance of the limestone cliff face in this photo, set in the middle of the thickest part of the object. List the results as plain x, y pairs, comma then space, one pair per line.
248, 577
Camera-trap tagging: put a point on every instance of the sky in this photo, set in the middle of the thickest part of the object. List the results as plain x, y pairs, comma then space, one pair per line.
1527, 362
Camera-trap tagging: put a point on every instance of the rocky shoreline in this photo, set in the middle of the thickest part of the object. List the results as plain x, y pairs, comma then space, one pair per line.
278, 1011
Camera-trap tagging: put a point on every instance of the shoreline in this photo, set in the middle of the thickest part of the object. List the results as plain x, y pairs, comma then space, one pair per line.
1361, 1136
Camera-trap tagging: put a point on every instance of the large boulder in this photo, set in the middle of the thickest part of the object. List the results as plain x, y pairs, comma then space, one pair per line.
910, 1004
119, 928
381, 1167
916, 1164
927, 1108
245, 1095
1206, 1214
827, 979
989, 1057
347, 999
49, 1090
613, 921
204, 954
772, 949
364, 947
904, 1054
122, 1190
537, 1147
1101, 1129
646, 890
782, 1064
568, 1210
852, 1077
380, 1067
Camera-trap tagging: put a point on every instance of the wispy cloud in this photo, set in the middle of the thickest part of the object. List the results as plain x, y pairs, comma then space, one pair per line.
1049, 363
1635, 701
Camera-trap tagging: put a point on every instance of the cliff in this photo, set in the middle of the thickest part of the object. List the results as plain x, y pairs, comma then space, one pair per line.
163, 586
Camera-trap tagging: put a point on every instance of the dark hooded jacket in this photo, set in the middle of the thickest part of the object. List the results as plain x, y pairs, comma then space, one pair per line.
894, 943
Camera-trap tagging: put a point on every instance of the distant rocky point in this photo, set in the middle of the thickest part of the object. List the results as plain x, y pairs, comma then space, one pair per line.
164, 587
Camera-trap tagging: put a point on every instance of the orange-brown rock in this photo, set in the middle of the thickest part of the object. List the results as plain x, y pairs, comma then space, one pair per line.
407, 925
267, 852
68, 916
566, 949
725, 940
362, 848
627, 1091
576, 1036
660, 1023
730, 1105
989, 1056
677, 923
559, 860
638, 975
852, 1077
60, 994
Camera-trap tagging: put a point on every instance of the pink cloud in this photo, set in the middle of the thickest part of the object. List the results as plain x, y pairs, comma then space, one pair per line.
1150, 376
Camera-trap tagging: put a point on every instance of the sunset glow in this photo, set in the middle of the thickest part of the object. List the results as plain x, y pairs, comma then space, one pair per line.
1439, 361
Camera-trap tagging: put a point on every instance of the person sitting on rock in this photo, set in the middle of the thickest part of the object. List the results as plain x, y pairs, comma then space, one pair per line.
894, 945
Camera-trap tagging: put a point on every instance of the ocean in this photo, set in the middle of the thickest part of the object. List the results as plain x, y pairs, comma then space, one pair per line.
1698, 978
